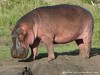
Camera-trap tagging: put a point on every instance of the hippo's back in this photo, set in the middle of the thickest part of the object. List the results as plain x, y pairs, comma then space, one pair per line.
65, 14
64, 10
65, 18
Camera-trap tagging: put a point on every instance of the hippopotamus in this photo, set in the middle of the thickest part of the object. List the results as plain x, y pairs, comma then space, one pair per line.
58, 24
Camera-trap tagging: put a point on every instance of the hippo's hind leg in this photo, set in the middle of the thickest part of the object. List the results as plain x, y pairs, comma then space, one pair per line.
84, 46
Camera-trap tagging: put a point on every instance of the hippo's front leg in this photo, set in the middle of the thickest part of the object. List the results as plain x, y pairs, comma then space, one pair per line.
35, 52
49, 44
34, 49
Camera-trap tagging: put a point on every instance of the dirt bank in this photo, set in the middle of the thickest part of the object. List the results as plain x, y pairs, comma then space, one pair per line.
63, 65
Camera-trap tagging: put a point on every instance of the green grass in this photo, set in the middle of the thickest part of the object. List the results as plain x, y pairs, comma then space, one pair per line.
12, 10
4, 52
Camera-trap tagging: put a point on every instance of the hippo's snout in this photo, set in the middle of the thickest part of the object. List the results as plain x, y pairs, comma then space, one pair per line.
19, 53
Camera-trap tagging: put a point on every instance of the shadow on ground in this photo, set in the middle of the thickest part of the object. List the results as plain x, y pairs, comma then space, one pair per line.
94, 52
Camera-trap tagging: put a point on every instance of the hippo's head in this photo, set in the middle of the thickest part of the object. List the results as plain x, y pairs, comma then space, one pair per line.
22, 37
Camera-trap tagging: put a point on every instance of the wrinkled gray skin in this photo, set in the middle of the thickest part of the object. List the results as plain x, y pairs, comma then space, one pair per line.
58, 24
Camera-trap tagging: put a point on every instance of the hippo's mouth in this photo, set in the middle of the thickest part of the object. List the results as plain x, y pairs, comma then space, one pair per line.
20, 54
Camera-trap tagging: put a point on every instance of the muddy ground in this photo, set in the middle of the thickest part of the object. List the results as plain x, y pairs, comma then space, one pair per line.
64, 64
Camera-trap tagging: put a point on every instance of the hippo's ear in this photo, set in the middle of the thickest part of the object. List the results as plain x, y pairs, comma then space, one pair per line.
21, 31
21, 34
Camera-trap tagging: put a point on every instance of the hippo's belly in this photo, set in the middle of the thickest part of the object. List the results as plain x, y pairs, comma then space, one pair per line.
64, 38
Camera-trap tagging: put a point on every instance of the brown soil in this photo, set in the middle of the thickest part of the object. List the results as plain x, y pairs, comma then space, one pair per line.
62, 65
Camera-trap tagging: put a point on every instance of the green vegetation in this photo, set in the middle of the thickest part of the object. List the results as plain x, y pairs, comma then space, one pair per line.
12, 10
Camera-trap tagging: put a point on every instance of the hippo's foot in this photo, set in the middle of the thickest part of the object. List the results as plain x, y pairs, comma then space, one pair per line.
50, 58
85, 56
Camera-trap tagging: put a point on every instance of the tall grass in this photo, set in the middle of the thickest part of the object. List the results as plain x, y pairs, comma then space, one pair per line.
12, 10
